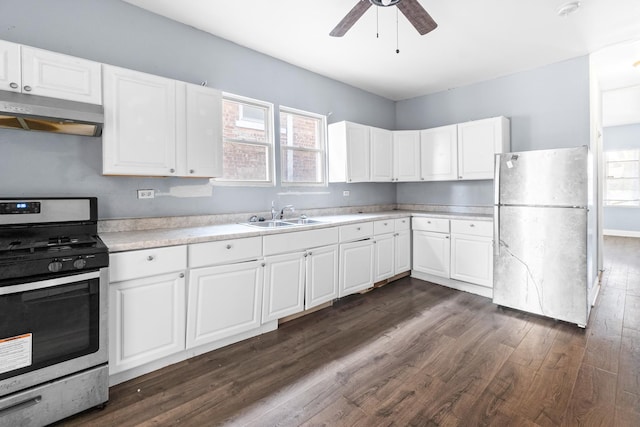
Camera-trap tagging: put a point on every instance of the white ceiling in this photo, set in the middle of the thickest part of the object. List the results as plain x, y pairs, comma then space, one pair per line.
475, 40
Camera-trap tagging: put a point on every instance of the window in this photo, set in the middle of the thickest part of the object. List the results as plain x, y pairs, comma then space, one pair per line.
302, 147
622, 171
247, 141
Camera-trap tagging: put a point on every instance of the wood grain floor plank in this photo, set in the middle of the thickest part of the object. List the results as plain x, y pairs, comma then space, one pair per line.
593, 400
629, 370
632, 312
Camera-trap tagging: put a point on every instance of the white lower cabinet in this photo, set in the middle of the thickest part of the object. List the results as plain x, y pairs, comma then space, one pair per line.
472, 252
321, 278
223, 301
147, 320
283, 286
384, 257
356, 267
431, 253
402, 251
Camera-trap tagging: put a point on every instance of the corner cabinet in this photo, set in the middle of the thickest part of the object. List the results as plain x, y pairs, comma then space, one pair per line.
156, 126
41, 72
406, 155
439, 154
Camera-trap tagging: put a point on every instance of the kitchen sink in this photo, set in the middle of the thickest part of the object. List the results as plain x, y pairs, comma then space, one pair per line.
270, 224
302, 221
283, 223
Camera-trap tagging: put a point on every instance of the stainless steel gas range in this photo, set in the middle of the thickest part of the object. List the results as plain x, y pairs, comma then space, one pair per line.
53, 310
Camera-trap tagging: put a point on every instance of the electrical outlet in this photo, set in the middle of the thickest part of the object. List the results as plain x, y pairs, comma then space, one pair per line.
346, 193
146, 194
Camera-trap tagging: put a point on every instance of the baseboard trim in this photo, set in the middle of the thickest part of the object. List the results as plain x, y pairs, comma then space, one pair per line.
621, 233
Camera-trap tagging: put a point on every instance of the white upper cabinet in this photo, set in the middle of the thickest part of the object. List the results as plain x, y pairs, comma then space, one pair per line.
439, 153
139, 136
200, 142
406, 155
41, 72
10, 64
381, 155
159, 127
349, 152
478, 142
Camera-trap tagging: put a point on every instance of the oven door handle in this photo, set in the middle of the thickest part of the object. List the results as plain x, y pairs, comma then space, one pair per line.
32, 286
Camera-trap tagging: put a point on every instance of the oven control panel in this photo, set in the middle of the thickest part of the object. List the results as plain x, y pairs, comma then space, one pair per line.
71, 263
12, 208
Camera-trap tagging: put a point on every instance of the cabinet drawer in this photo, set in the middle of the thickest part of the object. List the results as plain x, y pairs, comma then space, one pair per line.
358, 231
474, 228
438, 225
299, 240
147, 262
383, 226
402, 224
224, 251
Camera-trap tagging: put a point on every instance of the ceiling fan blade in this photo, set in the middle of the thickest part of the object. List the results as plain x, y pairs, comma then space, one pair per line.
419, 18
347, 22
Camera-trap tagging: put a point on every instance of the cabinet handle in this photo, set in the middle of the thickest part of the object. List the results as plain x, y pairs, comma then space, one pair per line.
13, 85
421, 178
306, 254
27, 88
192, 171
385, 224
472, 225
263, 264
310, 253
181, 275
228, 246
460, 177
150, 258
428, 222
172, 170
358, 229
446, 237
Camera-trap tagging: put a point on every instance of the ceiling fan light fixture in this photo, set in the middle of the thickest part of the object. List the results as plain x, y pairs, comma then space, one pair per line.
636, 65
568, 8
384, 3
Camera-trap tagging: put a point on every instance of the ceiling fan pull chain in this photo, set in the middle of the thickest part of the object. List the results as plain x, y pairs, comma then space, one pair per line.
397, 32
377, 23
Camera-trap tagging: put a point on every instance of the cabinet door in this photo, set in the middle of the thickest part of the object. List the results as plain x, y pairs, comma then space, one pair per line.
10, 67
200, 142
356, 267
60, 76
223, 301
139, 136
439, 153
357, 153
472, 259
402, 251
283, 286
381, 155
146, 320
431, 253
384, 257
478, 141
321, 276
406, 155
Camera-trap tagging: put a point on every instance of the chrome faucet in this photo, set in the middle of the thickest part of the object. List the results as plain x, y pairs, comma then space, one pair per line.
289, 208
274, 212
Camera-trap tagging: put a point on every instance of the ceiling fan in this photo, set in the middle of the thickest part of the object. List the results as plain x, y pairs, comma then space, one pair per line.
411, 9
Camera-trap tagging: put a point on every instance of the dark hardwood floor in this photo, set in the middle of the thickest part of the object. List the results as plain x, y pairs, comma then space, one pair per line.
411, 353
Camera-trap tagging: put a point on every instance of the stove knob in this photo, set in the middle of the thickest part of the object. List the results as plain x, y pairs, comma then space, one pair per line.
79, 263
55, 266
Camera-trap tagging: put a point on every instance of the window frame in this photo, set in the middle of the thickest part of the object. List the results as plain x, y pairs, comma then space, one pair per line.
270, 137
322, 151
611, 203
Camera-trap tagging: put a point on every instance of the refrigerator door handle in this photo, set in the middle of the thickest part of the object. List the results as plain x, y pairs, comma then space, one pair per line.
496, 181
496, 230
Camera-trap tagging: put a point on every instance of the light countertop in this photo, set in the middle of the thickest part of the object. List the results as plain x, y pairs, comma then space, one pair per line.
133, 240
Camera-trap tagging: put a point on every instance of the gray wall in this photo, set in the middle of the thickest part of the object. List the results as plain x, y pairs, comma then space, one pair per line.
548, 108
621, 138
114, 32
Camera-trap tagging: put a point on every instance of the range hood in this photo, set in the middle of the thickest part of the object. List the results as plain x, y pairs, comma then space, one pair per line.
41, 113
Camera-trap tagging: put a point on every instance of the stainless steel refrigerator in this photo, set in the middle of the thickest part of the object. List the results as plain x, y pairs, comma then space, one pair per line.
542, 244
